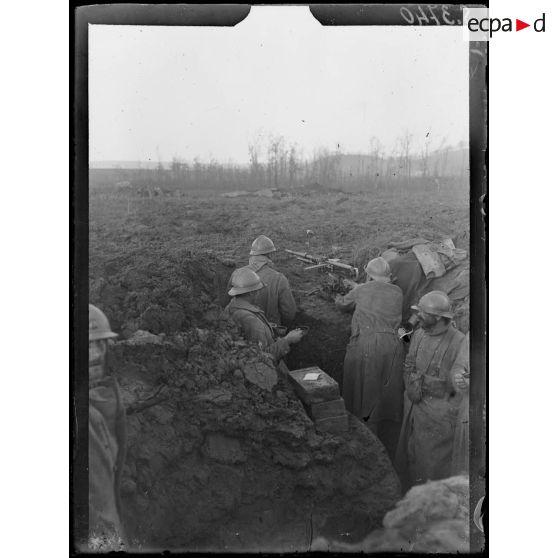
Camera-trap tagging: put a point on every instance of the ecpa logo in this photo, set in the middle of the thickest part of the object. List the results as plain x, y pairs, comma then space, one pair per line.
478, 26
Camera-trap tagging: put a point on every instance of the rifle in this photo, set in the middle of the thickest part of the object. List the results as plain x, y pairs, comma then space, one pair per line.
321, 262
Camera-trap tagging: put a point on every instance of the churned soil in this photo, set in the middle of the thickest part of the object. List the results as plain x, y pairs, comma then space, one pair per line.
162, 264
221, 454
226, 457
431, 518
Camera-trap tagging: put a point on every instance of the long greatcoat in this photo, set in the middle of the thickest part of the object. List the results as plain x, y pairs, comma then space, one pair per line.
276, 297
408, 275
460, 455
372, 376
107, 449
425, 444
256, 327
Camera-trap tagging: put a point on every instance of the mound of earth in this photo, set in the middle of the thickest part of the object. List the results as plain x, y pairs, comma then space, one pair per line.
431, 518
173, 292
227, 459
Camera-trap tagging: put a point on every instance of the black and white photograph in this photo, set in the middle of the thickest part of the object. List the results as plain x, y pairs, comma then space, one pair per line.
280, 251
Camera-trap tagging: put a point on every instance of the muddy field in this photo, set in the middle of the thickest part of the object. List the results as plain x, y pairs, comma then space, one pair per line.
226, 459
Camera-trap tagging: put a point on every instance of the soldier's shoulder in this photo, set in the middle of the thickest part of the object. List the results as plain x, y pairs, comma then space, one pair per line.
239, 313
273, 271
266, 271
246, 319
363, 287
276, 275
395, 288
458, 335
418, 334
386, 287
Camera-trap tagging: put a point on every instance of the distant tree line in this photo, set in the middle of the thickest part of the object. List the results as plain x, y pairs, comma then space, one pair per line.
279, 164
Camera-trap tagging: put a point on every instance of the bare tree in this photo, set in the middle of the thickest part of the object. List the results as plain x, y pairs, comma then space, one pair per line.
424, 157
293, 165
326, 166
437, 158
392, 170
405, 143
275, 150
374, 168
255, 167
178, 171
198, 168
444, 160
283, 163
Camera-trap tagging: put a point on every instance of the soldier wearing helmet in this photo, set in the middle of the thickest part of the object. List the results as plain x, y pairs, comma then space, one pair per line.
373, 367
242, 309
426, 442
107, 440
275, 298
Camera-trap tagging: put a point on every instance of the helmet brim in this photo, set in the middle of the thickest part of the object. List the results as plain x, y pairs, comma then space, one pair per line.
381, 278
262, 252
446, 315
102, 335
242, 290
442, 314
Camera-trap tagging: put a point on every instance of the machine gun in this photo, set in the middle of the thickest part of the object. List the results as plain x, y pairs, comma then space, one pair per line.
337, 284
319, 262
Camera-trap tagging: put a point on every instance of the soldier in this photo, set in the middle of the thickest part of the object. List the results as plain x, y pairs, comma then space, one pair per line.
243, 310
275, 298
373, 367
426, 442
107, 440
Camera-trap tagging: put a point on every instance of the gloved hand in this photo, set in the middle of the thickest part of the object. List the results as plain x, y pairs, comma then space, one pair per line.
348, 283
414, 387
294, 336
461, 381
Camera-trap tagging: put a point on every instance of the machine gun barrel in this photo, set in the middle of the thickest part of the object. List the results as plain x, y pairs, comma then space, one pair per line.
323, 262
308, 257
342, 265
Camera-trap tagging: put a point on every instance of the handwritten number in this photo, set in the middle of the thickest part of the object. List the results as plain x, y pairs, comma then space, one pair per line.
419, 16
446, 16
422, 17
407, 15
434, 15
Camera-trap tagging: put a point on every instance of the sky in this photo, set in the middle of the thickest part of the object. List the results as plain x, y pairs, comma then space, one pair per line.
161, 92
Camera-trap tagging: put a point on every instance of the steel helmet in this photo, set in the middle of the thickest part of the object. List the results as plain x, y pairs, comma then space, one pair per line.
262, 245
378, 269
436, 303
245, 280
99, 327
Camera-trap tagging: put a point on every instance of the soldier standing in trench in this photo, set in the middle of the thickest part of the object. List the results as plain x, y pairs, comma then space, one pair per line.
427, 435
107, 441
373, 367
275, 298
244, 310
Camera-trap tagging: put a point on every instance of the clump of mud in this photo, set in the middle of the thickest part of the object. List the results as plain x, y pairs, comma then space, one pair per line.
172, 293
227, 459
431, 518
